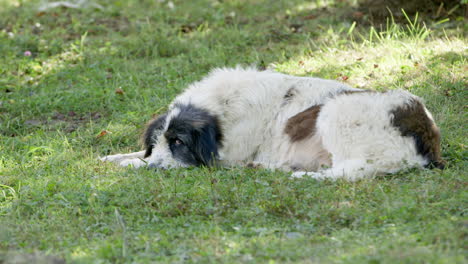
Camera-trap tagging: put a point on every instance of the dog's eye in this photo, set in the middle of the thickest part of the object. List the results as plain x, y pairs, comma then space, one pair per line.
178, 142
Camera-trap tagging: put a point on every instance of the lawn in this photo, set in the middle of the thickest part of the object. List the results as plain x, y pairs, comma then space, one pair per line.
76, 84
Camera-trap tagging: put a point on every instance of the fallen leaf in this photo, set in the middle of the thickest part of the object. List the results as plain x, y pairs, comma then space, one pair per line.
103, 133
342, 77
119, 91
358, 14
310, 17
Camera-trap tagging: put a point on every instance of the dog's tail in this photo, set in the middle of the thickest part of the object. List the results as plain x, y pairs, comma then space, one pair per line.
413, 120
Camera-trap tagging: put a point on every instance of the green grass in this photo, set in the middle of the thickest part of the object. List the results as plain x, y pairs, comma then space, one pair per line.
58, 203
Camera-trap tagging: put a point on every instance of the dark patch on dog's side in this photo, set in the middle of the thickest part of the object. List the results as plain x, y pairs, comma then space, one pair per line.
290, 93
194, 136
350, 92
148, 136
303, 124
412, 121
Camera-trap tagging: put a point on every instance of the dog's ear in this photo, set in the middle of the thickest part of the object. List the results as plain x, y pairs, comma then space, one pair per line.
148, 136
206, 144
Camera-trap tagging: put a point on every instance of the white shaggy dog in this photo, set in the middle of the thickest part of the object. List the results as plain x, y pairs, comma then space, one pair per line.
321, 128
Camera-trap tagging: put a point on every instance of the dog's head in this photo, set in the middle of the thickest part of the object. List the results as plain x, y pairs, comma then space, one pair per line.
185, 136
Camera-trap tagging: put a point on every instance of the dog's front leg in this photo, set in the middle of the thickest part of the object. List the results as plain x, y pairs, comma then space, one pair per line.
135, 162
135, 159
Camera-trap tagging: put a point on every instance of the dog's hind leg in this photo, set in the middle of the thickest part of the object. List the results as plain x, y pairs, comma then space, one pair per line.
348, 169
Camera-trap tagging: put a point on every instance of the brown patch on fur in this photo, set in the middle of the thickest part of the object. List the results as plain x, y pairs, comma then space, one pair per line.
412, 121
303, 124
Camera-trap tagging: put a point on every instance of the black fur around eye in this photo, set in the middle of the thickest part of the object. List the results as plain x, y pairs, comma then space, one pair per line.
199, 133
182, 152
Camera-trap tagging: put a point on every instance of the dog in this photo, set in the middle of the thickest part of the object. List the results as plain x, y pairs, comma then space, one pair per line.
308, 126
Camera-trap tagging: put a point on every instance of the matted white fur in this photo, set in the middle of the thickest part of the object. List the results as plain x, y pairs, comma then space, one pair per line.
354, 136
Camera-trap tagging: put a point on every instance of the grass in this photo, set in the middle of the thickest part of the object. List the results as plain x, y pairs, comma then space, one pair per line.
111, 69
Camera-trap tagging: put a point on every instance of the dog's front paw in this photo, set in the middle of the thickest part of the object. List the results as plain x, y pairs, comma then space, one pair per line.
111, 158
135, 163
302, 174
298, 174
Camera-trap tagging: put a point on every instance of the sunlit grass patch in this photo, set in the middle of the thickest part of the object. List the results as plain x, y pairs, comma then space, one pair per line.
376, 66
